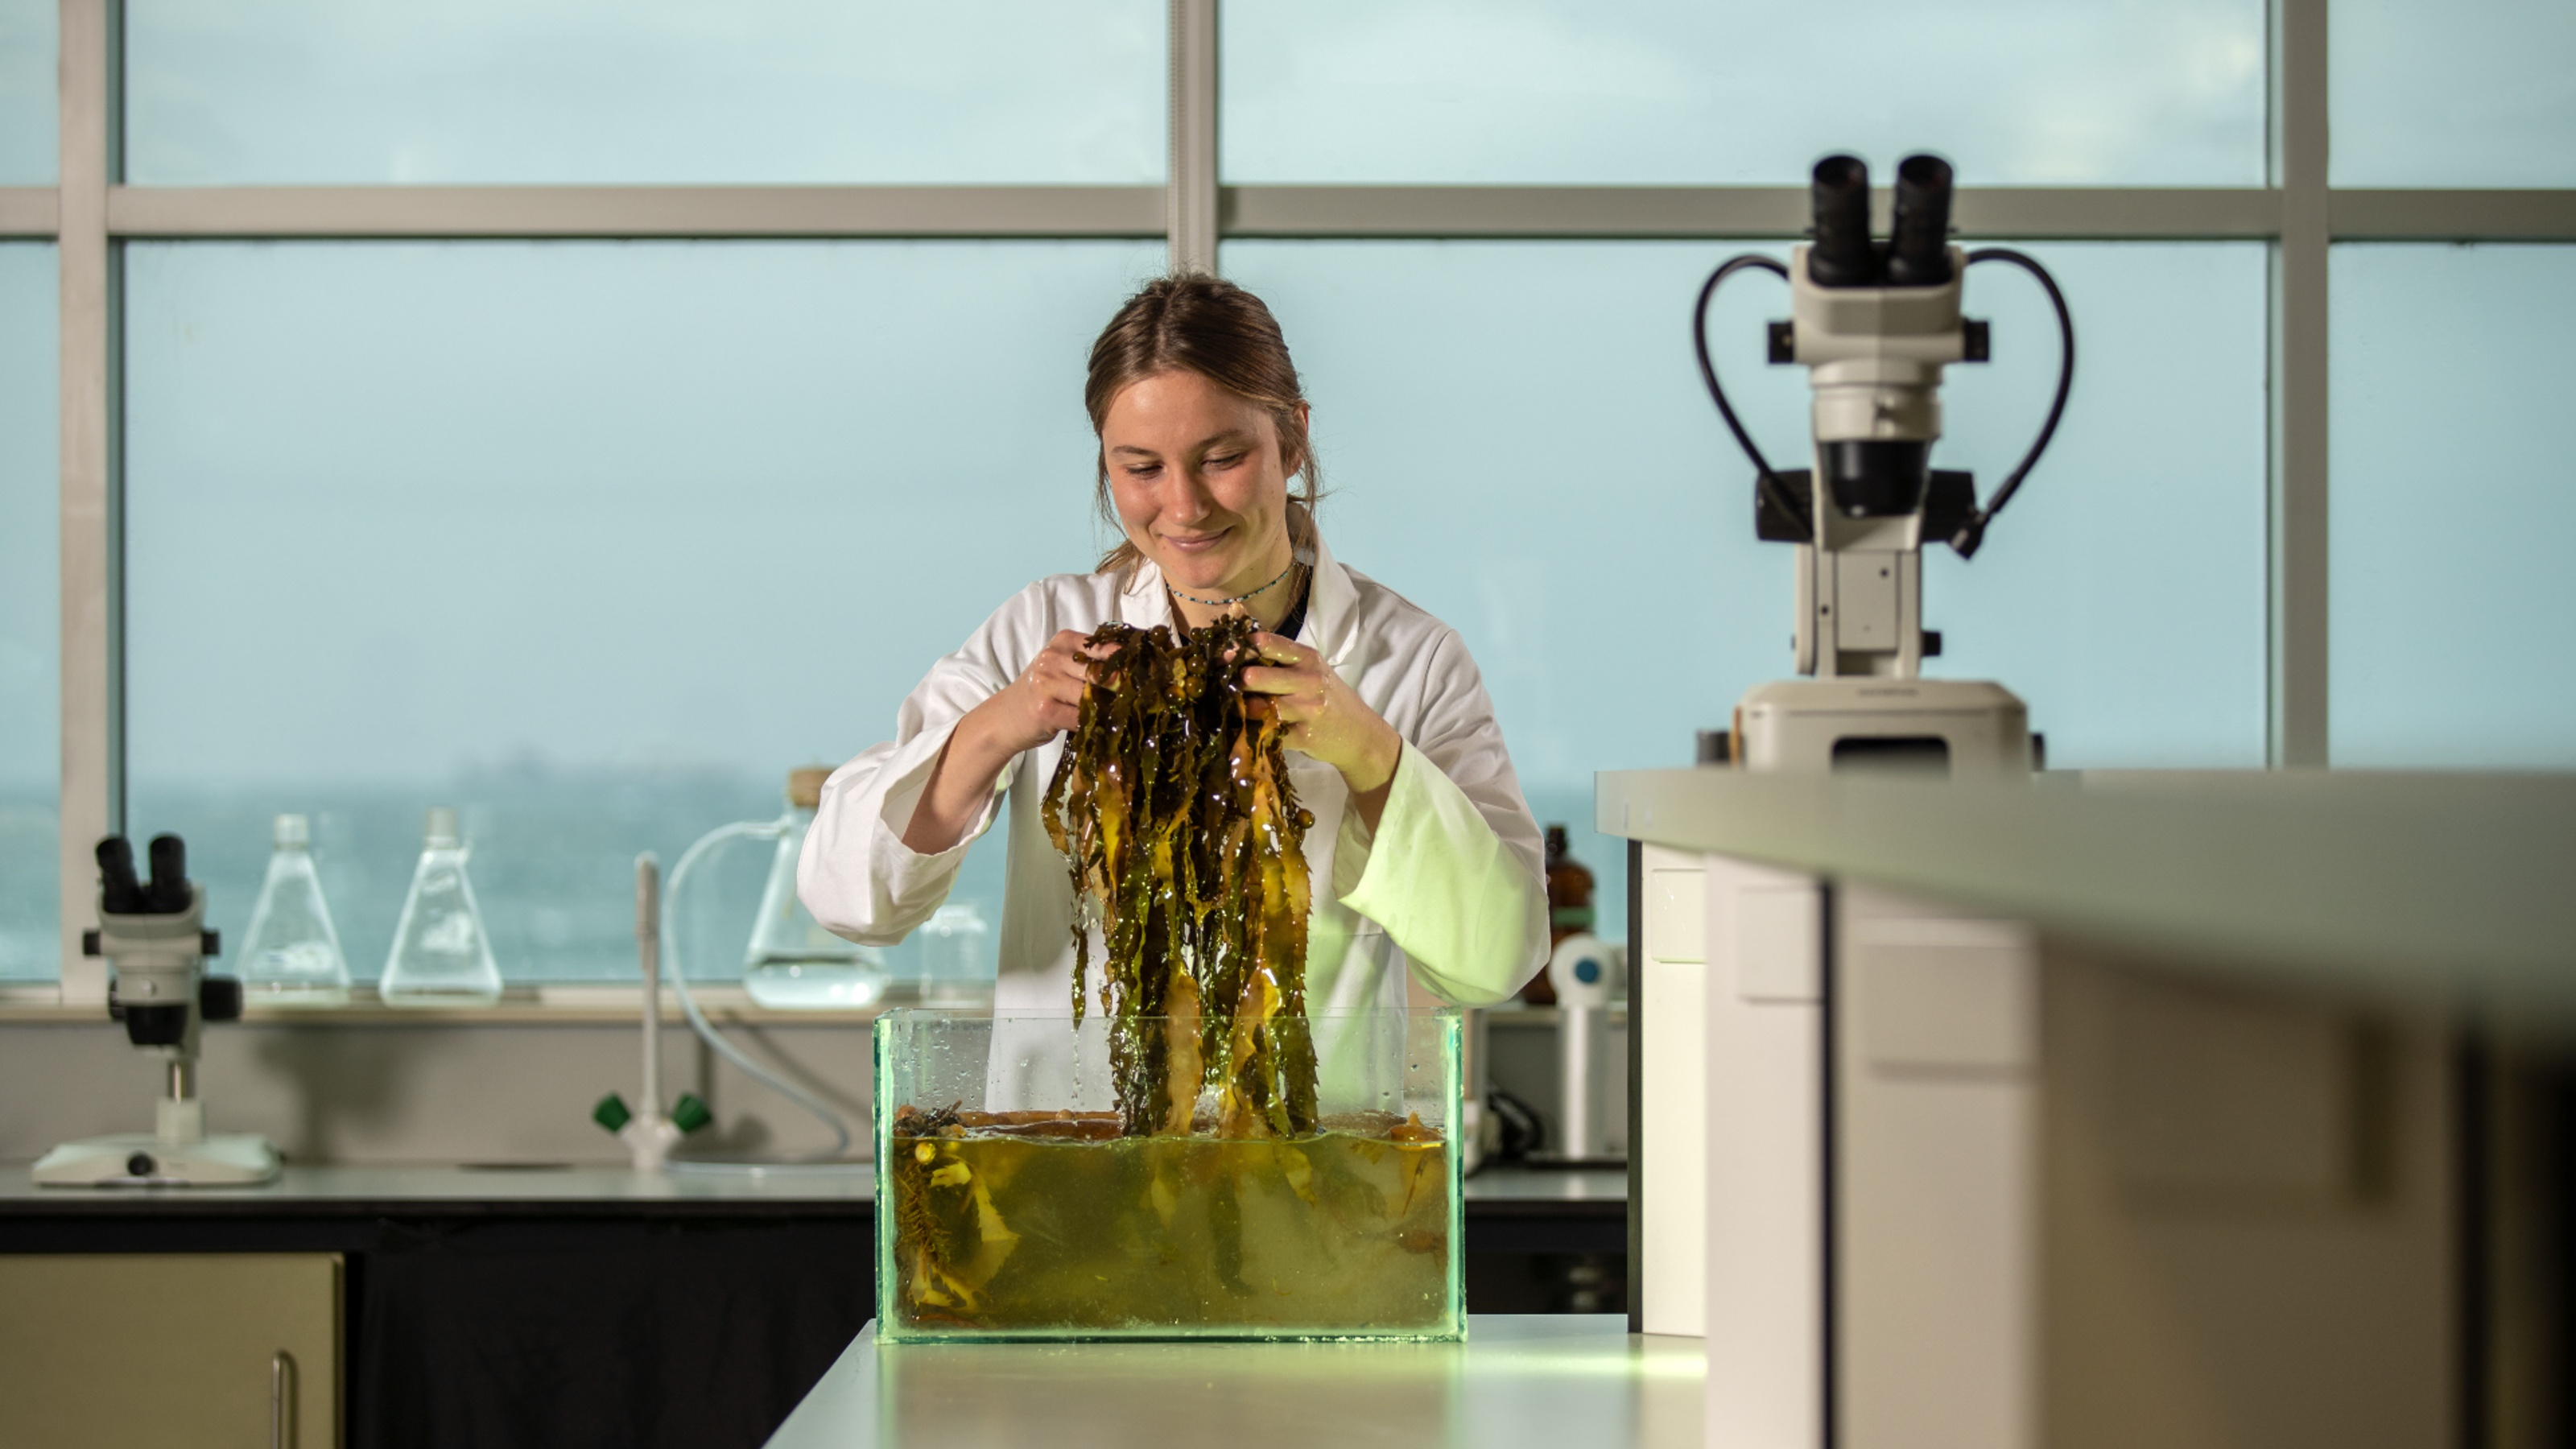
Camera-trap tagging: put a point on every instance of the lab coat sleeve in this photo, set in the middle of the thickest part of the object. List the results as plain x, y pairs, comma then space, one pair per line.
1452, 871
856, 875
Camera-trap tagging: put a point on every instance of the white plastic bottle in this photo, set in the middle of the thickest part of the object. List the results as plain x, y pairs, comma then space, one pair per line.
441, 954
291, 956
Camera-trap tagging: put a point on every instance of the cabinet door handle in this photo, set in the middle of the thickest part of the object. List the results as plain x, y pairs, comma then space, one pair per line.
281, 1400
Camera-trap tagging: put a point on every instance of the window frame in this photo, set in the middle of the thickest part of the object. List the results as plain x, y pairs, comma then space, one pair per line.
89, 214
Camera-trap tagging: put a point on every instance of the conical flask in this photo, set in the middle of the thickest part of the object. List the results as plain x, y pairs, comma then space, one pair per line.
954, 969
292, 955
441, 955
792, 962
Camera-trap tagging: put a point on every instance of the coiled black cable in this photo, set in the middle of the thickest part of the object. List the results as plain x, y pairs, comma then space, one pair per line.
1773, 491
1972, 533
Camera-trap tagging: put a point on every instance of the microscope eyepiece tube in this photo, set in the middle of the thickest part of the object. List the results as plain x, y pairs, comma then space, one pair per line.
120, 894
1919, 256
168, 892
1842, 255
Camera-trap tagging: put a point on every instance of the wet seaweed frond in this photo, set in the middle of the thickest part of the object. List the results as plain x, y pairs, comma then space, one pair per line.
1186, 847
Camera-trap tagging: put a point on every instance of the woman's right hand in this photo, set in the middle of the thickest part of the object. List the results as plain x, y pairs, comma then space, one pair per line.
1045, 701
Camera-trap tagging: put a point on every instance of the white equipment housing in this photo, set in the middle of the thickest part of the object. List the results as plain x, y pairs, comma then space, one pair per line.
1816, 726
1590, 977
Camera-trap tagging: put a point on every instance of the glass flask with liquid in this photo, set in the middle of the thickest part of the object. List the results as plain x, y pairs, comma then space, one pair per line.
292, 955
442, 955
954, 971
792, 963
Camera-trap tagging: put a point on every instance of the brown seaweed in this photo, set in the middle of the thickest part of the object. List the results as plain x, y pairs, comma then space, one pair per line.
1186, 844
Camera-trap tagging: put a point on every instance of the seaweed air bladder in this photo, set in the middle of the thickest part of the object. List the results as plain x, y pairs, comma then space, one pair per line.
1173, 808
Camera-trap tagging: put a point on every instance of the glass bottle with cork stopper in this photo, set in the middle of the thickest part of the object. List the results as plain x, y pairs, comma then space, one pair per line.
1569, 907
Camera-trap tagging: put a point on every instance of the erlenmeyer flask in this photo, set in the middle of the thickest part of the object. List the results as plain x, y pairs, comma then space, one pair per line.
954, 971
441, 956
292, 956
792, 962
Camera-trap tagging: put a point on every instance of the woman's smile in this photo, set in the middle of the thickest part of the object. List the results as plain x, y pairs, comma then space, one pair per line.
1199, 481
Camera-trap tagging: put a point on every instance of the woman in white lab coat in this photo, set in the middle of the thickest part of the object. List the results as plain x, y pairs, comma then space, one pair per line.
1423, 853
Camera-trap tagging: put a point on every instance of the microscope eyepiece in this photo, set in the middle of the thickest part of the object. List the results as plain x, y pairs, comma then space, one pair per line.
119, 893
1843, 255
1919, 256
169, 890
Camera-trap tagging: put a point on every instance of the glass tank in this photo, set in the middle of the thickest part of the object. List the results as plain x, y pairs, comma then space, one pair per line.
1010, 1204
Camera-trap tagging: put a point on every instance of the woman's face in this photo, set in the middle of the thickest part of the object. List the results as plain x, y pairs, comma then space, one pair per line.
1199, 481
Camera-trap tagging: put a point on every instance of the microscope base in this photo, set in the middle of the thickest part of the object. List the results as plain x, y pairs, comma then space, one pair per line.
235, 1159
1954, 728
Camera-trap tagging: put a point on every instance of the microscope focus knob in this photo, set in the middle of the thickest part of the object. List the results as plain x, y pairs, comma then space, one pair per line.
219, 998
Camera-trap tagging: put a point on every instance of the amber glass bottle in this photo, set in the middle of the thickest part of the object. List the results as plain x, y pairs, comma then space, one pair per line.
1569, 907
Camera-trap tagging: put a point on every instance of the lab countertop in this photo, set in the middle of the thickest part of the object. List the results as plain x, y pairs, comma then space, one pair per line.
2441, 889
433, 1191
1518, 1382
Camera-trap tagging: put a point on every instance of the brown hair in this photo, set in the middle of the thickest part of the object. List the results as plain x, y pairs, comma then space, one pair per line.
1210, 326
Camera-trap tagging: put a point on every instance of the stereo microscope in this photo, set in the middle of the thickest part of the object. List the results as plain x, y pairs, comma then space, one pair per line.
1875, 322
154, 938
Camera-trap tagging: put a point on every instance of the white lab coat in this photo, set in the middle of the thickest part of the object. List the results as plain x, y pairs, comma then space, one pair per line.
1449, 886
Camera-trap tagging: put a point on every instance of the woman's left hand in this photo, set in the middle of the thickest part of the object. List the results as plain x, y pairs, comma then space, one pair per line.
1326, 719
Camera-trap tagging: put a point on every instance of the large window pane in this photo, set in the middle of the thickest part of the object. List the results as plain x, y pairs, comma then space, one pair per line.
1685, 92
28, 150
2471, 93
310, 91
2451, 586
595, 541
1517, 440
30, 647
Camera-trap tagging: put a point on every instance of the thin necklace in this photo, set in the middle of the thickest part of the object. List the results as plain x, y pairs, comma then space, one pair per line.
1239, 598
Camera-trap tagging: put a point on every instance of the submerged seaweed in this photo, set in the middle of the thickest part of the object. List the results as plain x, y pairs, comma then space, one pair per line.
1173, 808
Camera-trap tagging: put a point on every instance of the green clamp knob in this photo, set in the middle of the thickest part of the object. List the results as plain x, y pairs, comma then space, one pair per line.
689, 1113
611, 1112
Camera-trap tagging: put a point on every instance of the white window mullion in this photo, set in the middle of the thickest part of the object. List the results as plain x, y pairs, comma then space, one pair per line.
1192, 187
92, 704
2300, 602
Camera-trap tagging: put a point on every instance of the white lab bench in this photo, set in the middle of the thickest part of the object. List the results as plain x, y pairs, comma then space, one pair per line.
1520, 1381
2141, 1108
480, 1305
